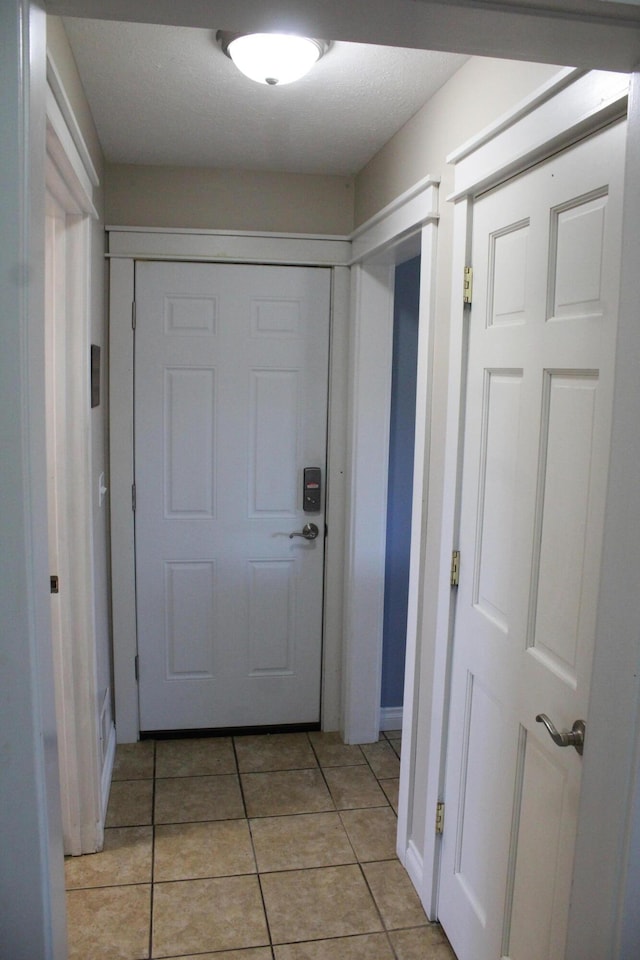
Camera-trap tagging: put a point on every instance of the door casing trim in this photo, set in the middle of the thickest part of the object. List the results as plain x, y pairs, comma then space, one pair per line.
85, 772
180, 246
406, 228
350, 694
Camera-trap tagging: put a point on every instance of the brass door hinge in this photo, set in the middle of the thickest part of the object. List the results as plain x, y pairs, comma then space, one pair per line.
440, 817
468, 285
455, 568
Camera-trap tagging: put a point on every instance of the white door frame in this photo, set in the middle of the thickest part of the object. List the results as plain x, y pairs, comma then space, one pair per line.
565, 110
70, 179
352, 649
125, 246
404, 229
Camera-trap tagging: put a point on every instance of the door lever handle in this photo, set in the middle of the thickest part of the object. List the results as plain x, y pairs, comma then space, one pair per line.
568, 738
308, 532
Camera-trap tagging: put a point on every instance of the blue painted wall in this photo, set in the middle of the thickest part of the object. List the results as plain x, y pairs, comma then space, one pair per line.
401, 448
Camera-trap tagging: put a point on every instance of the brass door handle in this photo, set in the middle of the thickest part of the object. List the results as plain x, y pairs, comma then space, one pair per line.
568, 738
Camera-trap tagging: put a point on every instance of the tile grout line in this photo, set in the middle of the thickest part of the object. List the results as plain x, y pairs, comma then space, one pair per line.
339, 812
253, 847
385, 803
358, 861
321, 769
153, 849
377, 908
240, 784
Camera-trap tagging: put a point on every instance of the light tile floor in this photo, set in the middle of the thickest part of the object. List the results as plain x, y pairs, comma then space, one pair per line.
272, 847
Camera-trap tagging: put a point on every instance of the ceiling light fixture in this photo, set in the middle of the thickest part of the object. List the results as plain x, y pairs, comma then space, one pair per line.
272, 58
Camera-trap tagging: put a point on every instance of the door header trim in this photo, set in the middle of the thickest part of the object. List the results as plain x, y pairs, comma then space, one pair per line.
227, 247
570, 107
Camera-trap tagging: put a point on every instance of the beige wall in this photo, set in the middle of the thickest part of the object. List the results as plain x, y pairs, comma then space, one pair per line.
210, 199
480, 92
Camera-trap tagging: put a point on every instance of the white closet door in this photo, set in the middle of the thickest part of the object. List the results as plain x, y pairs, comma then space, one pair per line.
546, 249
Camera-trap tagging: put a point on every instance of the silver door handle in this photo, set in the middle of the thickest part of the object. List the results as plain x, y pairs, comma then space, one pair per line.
568, 738
308, 532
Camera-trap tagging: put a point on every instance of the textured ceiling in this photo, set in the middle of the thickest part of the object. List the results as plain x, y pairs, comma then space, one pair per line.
167, 95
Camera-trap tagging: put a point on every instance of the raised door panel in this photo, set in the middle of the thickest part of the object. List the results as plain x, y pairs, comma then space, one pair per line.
189, 443
273, 454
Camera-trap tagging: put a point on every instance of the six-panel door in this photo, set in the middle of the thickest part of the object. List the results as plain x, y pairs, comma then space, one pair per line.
546, 246
231, 366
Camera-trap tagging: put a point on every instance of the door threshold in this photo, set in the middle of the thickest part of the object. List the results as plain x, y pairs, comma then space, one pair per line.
228, 731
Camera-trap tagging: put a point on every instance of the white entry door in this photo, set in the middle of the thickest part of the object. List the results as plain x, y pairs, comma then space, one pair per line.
546, 249
231, 366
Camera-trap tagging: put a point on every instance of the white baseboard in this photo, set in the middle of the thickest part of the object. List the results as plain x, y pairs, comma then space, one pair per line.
391, 718
107, 769
413, 865
413, 862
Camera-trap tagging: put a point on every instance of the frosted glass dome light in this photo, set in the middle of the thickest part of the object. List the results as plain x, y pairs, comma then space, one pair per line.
272, 58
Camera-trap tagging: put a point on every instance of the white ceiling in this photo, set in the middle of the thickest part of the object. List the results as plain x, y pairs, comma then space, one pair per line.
168, 95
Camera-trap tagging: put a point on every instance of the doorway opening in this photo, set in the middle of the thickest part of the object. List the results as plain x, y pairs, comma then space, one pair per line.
400, 486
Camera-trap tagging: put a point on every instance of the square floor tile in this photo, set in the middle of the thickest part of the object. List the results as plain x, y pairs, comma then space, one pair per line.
372, 832
353, 787
394, 894
124, 859
134, 761
391, 789
195, 757
382, 759
425, 943
218, 848
130, 803
318, 904
306, 840
372, 946
196, 916
278, 751
183, 799
285, 792
333, 752
110, 923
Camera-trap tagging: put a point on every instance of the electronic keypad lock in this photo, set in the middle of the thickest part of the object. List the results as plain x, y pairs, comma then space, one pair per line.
312, 490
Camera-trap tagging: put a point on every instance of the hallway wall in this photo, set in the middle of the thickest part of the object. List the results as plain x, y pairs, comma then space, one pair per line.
211, 199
